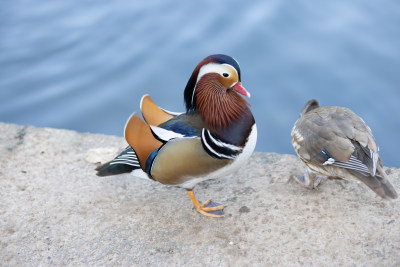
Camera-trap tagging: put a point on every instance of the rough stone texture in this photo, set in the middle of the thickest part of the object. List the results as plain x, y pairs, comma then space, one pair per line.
54, 210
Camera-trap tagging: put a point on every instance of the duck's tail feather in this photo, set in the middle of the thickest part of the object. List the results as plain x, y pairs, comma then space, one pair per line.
125, 162
378, 183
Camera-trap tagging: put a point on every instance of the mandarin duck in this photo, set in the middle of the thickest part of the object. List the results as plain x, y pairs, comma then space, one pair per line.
214, 137
335, 142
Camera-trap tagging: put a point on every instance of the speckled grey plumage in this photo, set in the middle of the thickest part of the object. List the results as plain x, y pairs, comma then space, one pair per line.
334, 141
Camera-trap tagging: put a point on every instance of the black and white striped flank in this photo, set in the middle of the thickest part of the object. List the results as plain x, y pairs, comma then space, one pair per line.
217, 148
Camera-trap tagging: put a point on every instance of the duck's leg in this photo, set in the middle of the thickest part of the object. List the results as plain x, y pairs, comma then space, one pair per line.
310, 180
209, 208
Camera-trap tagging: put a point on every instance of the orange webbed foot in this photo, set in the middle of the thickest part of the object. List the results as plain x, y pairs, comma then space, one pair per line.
208, 208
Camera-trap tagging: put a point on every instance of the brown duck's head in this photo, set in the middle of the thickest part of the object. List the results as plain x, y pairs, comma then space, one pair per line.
310, 105
213, 90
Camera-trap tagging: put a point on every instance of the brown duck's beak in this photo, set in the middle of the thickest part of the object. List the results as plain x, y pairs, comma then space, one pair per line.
240, 89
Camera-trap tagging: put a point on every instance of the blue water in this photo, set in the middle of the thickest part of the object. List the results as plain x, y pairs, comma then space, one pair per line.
84, 65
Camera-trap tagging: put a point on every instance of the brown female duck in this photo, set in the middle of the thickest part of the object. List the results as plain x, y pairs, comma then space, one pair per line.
334, 141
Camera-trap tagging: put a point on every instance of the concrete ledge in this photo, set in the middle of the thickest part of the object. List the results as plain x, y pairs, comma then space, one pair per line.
55, 211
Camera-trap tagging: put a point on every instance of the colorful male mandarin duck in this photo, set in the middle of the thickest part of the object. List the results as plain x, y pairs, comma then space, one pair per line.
334, 141
214, 137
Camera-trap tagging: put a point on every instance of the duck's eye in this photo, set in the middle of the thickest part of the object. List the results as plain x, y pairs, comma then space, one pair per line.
226, 75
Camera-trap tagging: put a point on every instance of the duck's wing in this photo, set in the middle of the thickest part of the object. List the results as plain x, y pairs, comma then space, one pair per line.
153, 114
138, 135
127, 160
336, 136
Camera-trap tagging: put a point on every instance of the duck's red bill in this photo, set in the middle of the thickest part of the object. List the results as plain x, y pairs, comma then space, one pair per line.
240, 89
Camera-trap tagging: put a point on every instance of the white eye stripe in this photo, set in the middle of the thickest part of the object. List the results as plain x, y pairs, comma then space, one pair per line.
216, 68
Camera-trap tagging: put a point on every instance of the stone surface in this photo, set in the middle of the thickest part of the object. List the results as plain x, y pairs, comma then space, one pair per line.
55, 211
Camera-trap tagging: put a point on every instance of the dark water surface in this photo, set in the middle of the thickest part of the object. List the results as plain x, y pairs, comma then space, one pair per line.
84, 65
